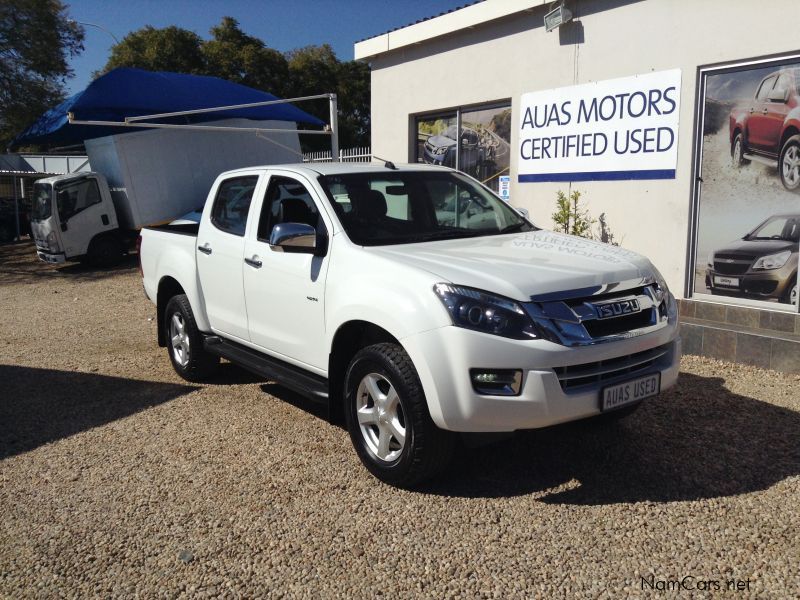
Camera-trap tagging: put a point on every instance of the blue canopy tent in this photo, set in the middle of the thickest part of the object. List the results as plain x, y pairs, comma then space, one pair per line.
117, 102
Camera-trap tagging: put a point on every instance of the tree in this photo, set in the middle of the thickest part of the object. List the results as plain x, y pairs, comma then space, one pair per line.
36, 40
168, 49
570, 217
233, 55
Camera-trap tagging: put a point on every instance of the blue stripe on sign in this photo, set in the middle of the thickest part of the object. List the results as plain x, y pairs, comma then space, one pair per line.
599, 176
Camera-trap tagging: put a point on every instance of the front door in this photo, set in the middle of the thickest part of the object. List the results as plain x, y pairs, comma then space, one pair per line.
285, 291
220, 252
82, 214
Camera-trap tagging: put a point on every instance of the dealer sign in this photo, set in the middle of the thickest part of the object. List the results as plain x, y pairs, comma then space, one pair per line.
615, 129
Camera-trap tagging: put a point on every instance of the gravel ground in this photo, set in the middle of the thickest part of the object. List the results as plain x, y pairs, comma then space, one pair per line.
119, 479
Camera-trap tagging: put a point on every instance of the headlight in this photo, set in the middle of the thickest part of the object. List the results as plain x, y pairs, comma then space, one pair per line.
773, 261
710, 259
481, 311
52, 241
663, 294
440, 150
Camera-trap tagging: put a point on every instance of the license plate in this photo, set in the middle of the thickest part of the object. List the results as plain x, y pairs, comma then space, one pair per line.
628, 392
726, 281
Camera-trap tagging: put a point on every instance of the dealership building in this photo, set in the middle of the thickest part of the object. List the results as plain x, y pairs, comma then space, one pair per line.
677, 121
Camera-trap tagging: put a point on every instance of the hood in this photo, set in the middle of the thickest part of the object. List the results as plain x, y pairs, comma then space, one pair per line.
521, 265
756, 247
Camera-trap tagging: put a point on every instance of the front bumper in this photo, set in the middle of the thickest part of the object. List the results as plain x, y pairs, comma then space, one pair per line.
49, 257
444, 356
771, 284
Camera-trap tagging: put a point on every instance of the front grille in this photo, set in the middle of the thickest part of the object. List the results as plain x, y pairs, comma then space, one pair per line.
606, 327
589, 316
735, 268
594, 373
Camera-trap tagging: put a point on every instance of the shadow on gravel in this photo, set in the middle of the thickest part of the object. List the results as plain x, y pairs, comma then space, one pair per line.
698, 440
19, 264
315, 408
39, 406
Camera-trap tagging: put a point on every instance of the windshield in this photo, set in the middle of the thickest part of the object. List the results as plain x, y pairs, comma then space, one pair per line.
42, 205
378, 209
778, 228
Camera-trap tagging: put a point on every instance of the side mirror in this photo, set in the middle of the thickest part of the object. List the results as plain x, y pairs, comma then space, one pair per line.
778, 95
523, 212
293, 237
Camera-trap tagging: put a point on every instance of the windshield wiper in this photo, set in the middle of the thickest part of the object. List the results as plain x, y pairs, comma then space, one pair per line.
513, 228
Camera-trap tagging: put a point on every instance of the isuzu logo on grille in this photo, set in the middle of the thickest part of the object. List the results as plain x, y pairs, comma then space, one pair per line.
617, 309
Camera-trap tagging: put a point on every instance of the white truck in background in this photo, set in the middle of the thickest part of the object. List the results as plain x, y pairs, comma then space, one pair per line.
413, 301
138, 179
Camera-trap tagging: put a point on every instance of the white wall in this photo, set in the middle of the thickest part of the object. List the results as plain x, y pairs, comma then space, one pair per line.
509, 57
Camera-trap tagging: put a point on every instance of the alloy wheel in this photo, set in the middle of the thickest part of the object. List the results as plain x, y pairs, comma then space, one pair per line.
180, 339
380, 417
791, 166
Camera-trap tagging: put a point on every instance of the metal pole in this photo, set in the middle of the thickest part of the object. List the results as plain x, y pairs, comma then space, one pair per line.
16, 207
199, 111
334, 129
74, 121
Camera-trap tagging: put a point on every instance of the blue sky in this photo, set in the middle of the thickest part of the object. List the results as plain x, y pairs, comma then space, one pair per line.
282, 24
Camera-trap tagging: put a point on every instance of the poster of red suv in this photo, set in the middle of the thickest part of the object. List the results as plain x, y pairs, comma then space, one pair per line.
748, 227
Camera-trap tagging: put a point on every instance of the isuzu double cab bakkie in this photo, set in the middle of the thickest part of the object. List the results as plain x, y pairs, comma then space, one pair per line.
413, 301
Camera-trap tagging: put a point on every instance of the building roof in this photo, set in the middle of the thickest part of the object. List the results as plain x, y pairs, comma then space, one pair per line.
13, 164
467, 16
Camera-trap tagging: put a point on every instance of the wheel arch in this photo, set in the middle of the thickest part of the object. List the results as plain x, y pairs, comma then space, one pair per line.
790, 131
168, 287
349, 338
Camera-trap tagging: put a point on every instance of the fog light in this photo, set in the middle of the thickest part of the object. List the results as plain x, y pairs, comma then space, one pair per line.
496, 382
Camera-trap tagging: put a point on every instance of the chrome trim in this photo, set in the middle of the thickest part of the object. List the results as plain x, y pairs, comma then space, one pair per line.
606, 288
567, 318
293, 236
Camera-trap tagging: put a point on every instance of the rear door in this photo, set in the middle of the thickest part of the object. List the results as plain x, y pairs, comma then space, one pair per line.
285, 291
757, 130
777, 108
220, 254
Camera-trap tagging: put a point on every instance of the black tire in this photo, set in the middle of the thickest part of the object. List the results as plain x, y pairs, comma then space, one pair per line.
104, 251
737, 151
198, 365
426, 450
791, 290
790, 178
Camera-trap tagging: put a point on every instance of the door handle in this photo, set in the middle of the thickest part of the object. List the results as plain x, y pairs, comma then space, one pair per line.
253, 262
751, 110
764, 111
205, 249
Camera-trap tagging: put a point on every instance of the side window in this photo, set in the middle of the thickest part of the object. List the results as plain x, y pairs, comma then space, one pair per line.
286, 201
232, 204
782, 84
72, 198
766, 86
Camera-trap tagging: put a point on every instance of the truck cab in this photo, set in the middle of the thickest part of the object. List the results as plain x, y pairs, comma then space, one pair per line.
73, 217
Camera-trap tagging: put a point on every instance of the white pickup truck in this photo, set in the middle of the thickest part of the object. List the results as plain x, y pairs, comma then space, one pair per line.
414, 301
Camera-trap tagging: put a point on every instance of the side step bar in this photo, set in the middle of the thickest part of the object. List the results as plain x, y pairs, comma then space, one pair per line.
294, 378
770, 162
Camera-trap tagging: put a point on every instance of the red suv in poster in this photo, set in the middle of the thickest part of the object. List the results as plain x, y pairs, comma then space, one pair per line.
767, 128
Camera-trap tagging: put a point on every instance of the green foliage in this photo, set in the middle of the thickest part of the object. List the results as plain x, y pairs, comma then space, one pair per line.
570, 217
236, 56
573, 218
36, 40
168, 49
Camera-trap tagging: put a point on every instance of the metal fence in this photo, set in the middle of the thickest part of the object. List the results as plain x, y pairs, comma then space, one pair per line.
345, 155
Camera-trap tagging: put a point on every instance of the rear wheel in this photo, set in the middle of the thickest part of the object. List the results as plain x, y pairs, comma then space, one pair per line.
185, 342
789, 164
737, 152
388, 419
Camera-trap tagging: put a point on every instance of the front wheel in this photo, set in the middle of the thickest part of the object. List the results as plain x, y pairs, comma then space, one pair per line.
790, 297
185, 342
789, 164
388, 419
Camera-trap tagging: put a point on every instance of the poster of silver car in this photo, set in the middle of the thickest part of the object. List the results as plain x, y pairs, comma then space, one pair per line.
628, 392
